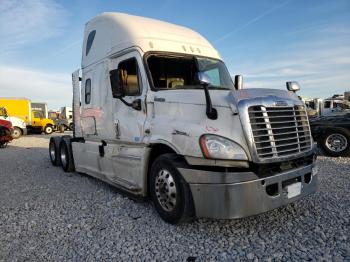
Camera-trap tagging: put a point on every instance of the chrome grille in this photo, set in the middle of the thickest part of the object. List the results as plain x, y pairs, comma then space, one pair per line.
279, 131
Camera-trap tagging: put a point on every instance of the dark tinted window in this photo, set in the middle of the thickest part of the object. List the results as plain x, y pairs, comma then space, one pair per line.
327, 104
87, 91
173, 72
89, 41
130, 77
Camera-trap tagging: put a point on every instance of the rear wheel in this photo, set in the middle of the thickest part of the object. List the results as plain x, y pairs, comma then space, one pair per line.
336, 142
17, 132
170, 193
61, 128
66, 155
54, 146
48, 129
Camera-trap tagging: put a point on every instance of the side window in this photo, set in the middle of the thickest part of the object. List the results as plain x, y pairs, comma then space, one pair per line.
87, 91
89, 41
327, 104
130, 77
214, 76
37, 115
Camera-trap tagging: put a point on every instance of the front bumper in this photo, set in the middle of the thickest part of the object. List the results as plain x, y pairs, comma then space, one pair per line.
240, 194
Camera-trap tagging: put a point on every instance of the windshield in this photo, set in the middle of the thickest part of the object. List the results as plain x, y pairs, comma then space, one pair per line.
3, 111
179, 72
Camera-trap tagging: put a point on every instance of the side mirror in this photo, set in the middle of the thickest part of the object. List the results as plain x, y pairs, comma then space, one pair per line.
117, 83
293, 86
203, 78
238, 82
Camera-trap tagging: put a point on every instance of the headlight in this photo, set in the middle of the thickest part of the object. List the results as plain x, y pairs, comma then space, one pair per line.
217, 147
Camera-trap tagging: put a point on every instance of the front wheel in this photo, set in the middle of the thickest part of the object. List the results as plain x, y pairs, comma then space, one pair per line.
336, 142
17, 132
170, 193
48, 130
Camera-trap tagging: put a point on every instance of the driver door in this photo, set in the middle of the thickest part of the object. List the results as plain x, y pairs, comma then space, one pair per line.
126, 151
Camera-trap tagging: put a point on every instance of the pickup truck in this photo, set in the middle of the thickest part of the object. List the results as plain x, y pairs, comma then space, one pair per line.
332, 133
6, 131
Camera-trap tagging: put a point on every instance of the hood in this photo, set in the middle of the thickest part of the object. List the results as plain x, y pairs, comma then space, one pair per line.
5, 123
226, 98
262, 93
337, 118
219, 98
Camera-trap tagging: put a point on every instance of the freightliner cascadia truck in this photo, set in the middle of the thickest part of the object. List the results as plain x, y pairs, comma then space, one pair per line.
157, 115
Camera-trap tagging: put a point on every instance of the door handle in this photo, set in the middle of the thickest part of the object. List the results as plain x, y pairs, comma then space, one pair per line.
117, 128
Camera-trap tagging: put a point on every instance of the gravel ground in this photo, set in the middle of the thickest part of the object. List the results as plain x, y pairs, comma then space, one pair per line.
46, 214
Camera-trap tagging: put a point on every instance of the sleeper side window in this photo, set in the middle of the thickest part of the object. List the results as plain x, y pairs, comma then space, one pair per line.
130, 77
87, 91
89, 41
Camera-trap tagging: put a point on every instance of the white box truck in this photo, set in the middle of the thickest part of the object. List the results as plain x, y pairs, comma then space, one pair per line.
157, 115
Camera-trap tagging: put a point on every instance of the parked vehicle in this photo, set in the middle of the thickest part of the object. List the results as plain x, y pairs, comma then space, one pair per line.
337, 104
53, 114
21, 108
40, 107
64, 120
19, 126
332, 133
6, 131
170, 124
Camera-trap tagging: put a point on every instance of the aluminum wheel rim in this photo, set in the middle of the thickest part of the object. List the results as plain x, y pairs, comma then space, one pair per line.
336, 142
49, 129
63, 157
166, 190
52, 151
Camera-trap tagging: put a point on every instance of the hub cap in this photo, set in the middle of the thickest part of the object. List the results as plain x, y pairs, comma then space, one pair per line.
165, 190
336, 142
16, 133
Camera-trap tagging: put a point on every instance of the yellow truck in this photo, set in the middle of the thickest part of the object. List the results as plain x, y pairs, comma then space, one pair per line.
21, 108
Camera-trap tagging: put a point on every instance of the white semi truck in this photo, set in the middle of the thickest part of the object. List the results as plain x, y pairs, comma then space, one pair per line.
158, 116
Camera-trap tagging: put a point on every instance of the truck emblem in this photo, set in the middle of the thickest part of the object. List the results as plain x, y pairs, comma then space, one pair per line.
281, 103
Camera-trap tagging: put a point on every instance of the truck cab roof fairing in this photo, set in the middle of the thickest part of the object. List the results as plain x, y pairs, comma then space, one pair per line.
118, 31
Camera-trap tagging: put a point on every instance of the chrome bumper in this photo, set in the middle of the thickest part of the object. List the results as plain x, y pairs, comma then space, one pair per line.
235, 195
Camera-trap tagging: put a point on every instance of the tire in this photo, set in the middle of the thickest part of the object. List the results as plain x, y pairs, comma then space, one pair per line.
48, 129
71, 126
336, 142
54, 146
17, 133
169, 192
61, 128
66, 155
